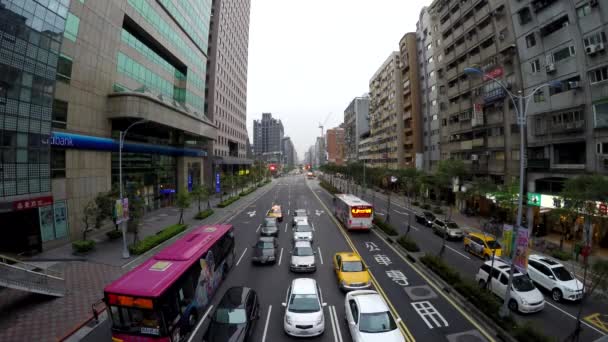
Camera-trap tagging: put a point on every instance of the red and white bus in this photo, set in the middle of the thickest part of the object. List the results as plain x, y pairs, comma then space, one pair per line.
353, 212
164, 298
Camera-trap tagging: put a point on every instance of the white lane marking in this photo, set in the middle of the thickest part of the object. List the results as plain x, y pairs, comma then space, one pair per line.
287, 212
426, 310
320, 256
333, 308
257, 230
401, 212
321, 295
285, 227
265, 325
571, 316
198, 326
242, 255
333, 324
457, 252
280, 256
414, 228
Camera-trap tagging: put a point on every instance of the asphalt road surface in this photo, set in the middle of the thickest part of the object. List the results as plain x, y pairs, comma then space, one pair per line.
426, 313
556, 319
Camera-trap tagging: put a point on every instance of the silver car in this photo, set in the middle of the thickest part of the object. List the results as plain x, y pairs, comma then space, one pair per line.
302, 257
448, 228
302, 232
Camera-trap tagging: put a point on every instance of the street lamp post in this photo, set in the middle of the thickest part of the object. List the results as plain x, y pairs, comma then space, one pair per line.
521, 120
121, 140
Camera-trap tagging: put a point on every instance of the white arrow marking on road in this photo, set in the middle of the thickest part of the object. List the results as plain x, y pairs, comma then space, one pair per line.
285, 227
280, 256
198, 326
426, 310
266, 325
259, 225
319, 212
242, 255
251, 213
320, 256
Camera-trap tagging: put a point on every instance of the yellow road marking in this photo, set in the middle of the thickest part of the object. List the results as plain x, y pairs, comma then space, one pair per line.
596, 320
404, 329
438, 290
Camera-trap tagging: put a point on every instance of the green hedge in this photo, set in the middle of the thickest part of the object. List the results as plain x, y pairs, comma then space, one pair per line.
204, 214
386, 227
425, 206
114, 234
332, 189
247, 192
415, 203
409, 244
437, 210
152, 241
561, 255
483, 300
227, 202
83, 246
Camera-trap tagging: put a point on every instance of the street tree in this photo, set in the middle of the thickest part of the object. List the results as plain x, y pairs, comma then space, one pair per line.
105, 205
89, 213
447, 171
198, 194
506, 196
183, 202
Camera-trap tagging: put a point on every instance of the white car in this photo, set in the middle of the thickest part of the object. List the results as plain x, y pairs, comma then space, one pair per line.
304, 311
524, 297
302, 232
369, 319
554, 277
299, 215
302, 257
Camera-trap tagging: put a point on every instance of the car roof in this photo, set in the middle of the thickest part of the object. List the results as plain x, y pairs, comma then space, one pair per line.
349, 256
303, 286
370, 303
545, 260
234, 297
266, 238
484, 237
276, 207
502, 266
302, 244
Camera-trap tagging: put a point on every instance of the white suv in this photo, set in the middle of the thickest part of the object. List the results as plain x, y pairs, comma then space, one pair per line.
304, 311
524, 297
554, 277
302, 257
369, 319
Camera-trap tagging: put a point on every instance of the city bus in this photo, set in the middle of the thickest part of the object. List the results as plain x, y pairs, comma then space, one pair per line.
353, 212
164, 298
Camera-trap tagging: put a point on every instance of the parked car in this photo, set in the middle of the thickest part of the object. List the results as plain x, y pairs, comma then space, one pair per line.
265, 250
299, 215
482, 245
235, 316
425, 218
553, 276
270, 227
302, 232
304, 311
369, 318
351, 272
302, 257
275, 212
448, 228
524, 297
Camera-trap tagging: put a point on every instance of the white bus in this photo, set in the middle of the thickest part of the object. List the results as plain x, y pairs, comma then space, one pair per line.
353, 212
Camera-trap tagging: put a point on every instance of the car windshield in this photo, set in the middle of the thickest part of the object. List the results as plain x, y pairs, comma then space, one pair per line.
265, 245
303, 229
562, 274
376, 322
270, 223
522, 283
230, 316
302, 251
303, 303
492, 244
352, 266
452, 225
300, 213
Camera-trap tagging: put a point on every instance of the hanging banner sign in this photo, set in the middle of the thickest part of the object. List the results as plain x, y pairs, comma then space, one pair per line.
507, 242
520, 260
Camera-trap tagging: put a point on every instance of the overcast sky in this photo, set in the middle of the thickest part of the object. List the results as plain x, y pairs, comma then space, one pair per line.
310, 58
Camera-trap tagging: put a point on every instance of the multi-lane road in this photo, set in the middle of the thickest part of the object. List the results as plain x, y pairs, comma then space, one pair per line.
556, 319
426, 313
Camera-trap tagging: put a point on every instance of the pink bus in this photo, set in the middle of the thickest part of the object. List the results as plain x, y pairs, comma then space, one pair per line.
163, 298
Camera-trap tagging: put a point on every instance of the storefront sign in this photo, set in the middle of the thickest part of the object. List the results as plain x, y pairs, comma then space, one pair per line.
189, 182
533, 199
492, 74
603, 208
33, 203
217, 182
520, 260
552, 202
507, 242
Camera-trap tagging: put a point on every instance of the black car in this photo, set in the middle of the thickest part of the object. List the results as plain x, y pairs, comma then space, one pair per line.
235, 316
425, 218
265, 250
269, 227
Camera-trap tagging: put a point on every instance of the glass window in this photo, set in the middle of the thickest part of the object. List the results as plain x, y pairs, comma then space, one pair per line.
64, 68
530, 40
57, 163
583, 11
60, 113
230, 316
562, 54
377, 322
304, 303
352, 266
71, 27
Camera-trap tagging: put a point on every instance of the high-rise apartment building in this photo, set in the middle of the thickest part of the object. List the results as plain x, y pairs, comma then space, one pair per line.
412, 116
334, 139
227, 81
267, 136
356, 124
478, 123
567, 133
320, 152
386, 115
432, 88
76, 74
289, 152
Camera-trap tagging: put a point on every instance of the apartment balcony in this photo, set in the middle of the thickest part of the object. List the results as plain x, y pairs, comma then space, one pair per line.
496, 142
453, 91
494, 118
488, 52
457, 32
460, 49
468, 24
496, 166
451, 73
494, 95
485, 32
539, 164
448, 40
568, 127
479, 142
453, 108
482, 12
466, 145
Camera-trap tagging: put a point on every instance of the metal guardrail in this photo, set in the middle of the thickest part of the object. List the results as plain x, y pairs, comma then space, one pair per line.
23, 276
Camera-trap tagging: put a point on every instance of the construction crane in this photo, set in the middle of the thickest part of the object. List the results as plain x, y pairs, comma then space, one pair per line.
321, 125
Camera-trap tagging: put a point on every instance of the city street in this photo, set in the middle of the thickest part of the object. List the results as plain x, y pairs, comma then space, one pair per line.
426, 313
468, 265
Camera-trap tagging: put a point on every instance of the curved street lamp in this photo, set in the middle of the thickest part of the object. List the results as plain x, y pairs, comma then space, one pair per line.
521, 120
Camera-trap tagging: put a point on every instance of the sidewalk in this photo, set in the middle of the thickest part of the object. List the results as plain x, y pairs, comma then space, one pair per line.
29, 317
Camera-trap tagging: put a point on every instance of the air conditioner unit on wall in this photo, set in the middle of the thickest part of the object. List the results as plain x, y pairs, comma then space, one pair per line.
591, 49
550, 67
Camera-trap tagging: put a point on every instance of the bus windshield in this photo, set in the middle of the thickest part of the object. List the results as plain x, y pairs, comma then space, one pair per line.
136, 320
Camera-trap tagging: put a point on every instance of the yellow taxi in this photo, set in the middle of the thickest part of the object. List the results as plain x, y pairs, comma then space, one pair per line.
351, 272
482, 245
275, 212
